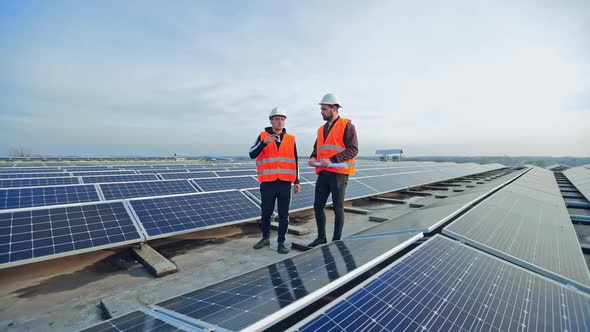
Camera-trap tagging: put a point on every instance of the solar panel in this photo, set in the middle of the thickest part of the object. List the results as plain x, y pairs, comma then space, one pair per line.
123, 190
580, 178
237, 172
259, 298
43, 196
444, 285
522, 225
356, 189
237, 182
118, 178
146, 171
16, 183
165, 216
25, 164
102, 173
190, 175
386, 183
142, 167
136, 321
32, 175
40, 234
88, 168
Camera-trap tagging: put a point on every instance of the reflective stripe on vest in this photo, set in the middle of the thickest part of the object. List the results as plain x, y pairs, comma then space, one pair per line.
274, 160
332, 145
276, 171
277, 163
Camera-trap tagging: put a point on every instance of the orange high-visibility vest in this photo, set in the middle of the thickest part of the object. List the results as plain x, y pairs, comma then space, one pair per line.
277, 163
332, 145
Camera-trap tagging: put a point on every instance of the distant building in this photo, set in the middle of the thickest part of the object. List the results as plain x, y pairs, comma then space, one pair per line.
389, 154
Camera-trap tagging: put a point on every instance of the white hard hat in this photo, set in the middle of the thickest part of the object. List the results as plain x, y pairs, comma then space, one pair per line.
277, 111
330, 99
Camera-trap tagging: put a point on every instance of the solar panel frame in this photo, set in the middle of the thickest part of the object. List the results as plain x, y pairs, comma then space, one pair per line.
40, 228
422, 292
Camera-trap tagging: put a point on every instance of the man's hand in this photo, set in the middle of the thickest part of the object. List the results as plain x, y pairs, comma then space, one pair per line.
297, 187
325, 162
271, 138
312, 162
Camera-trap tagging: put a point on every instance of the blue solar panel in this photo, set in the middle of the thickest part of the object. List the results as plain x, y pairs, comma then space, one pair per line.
32, 175
118, 178
145, 189
387, 183
134, 166
239, 182
191, 175
44, 196
165, 216
146, 171
444, 285
17, 183
39, 234
102, 173
355, 189
29, 170
88, 169
25, 164
237, 172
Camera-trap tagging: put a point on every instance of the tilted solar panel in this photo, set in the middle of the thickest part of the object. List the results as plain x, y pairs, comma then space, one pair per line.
444, 285
165, 216
145, 189
44, 196
39, 234
237, 182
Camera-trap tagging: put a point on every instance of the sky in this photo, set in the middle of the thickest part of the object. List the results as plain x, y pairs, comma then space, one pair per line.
154, 78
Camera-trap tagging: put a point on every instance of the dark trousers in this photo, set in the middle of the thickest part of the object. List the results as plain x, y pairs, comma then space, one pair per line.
270, 192
326, 184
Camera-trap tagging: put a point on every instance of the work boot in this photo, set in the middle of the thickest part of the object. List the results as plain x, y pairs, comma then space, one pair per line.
317, 242
262, 243
281, 249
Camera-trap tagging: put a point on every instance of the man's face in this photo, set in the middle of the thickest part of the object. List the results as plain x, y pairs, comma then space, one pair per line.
278, 122
327, 112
